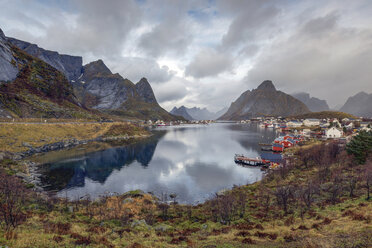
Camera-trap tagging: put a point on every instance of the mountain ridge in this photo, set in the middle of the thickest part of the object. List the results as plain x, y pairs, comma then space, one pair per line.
314, 104
37, 89
94, 85
359, 105
262, 101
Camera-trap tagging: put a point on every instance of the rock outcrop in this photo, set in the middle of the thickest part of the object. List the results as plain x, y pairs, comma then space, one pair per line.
100, 89
8, 67
145, 91
38, 89
181, 111
314, 104
110, 90
264, 101
359, 105
70, 66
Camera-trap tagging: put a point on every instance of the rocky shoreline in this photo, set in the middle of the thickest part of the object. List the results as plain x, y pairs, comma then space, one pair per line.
32, 175
68, 144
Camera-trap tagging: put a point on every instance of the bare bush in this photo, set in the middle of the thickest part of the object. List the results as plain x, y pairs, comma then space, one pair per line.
13, 195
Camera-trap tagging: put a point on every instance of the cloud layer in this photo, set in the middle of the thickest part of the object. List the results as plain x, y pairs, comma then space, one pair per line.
206, 53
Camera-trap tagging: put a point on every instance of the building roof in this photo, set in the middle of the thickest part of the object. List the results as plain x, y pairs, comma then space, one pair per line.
273, 157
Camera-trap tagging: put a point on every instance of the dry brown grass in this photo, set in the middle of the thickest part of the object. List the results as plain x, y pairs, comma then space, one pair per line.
13, 136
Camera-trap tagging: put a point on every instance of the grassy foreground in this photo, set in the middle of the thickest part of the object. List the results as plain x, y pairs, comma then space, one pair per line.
19, 137
319, 198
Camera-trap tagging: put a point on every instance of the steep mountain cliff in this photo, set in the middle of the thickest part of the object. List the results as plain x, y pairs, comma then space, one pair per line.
314, 104
264, 101
181, 111
8, 67
94, 84
70, 66
359, 105
36, 90
99, 88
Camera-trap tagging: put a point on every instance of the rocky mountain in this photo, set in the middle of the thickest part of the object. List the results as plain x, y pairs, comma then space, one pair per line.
359, 105
181, 111
264, 101
100, 89
196, 113
94, 84
201, 113
8, 67
70, 66
220, 112
314, 104
29, 87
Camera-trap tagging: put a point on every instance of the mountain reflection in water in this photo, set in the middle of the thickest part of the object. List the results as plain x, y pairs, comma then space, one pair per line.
193, 161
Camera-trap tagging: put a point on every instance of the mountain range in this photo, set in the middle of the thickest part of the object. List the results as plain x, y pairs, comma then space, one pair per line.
314, 104
265, 100
35, 82
196, 113
359, 105
32, 77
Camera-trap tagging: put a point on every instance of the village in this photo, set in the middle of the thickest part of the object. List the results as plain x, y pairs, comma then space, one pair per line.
292, 133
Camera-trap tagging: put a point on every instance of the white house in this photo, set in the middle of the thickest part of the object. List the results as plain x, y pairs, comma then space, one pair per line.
311, 122
335, 122
294, 124
349, 125
333, 132
364, 124
306, 132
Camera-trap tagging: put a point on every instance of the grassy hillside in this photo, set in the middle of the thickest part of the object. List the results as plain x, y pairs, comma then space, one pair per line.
318, 199
13, 137
324, 115
40, 91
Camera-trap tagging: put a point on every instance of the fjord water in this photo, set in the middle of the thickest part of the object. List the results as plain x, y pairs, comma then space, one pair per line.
192, 161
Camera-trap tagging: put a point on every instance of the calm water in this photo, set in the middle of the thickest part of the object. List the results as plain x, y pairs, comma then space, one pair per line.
193, 161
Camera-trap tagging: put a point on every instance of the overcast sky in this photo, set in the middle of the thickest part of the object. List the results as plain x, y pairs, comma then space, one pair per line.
206, 53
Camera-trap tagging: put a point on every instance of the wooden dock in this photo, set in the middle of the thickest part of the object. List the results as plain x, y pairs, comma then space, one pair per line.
241, 159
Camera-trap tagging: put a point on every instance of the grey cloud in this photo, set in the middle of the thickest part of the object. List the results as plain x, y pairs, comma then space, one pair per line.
135, 68
170, 36
321, 25
332, 65
173, 90
101, 26
250, 19
209, 62
95, 27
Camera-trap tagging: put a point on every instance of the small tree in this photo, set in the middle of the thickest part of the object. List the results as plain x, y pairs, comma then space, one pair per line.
283, 194
307, 192
368, 178
360, 146
13, 196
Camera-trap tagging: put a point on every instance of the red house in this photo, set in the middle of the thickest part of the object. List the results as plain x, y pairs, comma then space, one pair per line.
278, 148
287, 143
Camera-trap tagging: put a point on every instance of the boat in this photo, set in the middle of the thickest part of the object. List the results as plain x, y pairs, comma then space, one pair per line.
266, 148
163, 125
243, 160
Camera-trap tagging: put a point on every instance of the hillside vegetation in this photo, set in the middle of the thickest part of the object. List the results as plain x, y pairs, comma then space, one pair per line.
324, 115
40, 91
319, 198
